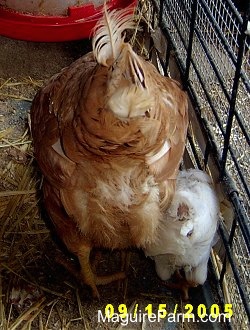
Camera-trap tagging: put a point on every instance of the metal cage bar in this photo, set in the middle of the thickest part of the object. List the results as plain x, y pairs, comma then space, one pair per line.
216, 29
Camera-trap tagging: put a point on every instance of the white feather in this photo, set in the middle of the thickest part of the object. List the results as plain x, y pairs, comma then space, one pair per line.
108, 34
130, 101
164, 149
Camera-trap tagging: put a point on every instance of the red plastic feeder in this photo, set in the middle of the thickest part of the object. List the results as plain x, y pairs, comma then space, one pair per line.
78, 24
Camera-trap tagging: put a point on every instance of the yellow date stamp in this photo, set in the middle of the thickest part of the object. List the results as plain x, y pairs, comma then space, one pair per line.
162, 311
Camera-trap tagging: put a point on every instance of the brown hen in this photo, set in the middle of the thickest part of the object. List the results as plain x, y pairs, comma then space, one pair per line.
109, 133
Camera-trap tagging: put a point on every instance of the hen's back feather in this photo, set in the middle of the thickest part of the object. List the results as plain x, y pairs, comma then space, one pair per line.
110, 126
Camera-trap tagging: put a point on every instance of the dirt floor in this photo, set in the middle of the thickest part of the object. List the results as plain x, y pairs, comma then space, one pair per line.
36, 292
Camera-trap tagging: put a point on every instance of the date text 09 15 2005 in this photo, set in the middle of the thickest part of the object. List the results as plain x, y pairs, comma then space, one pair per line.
162, 311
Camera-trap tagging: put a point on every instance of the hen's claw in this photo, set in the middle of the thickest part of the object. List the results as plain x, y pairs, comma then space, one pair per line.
87, 273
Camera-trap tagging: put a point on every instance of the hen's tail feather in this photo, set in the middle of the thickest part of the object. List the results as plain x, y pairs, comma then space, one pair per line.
108, 34
137, 73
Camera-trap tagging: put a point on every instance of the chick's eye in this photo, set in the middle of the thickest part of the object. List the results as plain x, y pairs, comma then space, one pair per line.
147, 113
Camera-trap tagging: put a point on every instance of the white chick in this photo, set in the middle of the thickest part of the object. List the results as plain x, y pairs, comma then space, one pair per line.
188, 231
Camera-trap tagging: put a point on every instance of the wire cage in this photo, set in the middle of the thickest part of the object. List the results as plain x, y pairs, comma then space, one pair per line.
208, 41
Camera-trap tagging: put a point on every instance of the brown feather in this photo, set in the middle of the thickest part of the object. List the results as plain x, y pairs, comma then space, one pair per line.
108, 177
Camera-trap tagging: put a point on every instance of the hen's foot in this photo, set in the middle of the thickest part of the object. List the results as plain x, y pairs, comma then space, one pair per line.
180, 283
87, 274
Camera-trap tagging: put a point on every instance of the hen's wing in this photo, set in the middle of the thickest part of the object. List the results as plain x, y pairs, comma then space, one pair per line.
53, 109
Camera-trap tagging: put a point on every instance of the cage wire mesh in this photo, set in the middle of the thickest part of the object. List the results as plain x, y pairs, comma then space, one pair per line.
210, 40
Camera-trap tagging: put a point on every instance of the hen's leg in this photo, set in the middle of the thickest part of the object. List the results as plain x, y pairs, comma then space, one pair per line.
125, 262
95, 260
89, 277
87, 273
